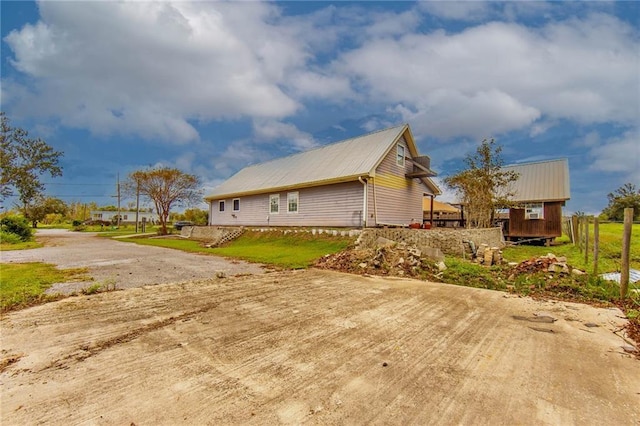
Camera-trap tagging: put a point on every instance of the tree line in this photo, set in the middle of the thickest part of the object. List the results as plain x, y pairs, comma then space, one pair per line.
24, 161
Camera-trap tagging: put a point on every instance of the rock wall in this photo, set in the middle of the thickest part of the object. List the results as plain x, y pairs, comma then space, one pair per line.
449, 241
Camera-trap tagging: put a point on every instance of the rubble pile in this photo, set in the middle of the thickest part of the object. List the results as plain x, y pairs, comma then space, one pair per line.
488, 256
388, 258
547, 263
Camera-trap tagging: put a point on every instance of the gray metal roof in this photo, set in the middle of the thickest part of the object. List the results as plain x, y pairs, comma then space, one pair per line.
337, 162
541, 181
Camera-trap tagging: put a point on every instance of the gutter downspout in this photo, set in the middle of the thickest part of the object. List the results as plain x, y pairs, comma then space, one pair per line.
364, 204
375, 205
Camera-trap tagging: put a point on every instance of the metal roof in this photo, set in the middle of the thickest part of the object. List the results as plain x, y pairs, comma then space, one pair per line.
541, 181
333, 163
438, 206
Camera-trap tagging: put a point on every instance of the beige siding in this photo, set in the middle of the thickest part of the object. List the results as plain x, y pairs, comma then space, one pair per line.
337, 205
398, 200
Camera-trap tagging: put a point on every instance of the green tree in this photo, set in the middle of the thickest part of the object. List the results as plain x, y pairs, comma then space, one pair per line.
197, 216
483, 186
23, 160
166, 188
624, 197
40, 207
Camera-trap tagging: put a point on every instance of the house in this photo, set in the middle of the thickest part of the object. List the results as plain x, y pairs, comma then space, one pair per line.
441, 214
540, 192
377, 179
126, 216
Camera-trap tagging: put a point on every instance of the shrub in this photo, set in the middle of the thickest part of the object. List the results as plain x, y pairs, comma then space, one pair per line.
17, 225
9, 238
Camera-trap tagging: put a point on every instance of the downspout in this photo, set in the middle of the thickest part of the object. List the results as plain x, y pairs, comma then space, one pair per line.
375, 205
364, 204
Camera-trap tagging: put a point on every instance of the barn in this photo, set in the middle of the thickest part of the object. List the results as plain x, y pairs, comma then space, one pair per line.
540, 192
377, 179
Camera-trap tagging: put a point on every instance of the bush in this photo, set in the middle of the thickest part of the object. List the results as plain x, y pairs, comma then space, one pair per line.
17, 225
9, 238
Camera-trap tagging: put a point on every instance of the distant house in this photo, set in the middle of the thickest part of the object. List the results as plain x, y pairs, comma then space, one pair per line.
443, 214
372, 180
540, 192
126, 217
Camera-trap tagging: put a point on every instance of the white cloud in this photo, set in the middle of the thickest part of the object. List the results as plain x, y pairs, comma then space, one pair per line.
619, 155
498, 76
150, 67
283, 133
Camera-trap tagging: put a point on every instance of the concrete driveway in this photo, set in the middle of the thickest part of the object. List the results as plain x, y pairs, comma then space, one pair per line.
122, 264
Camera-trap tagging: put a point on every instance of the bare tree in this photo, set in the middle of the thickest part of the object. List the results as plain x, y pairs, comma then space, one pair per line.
167, 188
483, 187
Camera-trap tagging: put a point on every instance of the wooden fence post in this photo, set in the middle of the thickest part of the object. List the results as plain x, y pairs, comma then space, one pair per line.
596, 245
626, 248
586, 241
574, 230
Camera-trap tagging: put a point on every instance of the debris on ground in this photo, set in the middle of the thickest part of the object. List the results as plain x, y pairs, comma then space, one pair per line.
388, 258
547, 263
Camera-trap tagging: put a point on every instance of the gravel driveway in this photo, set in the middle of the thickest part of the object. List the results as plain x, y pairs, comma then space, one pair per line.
122, 264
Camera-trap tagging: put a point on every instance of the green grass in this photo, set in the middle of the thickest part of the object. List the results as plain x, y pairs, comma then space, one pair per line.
610, 249
289, 251
19, 246
24, 284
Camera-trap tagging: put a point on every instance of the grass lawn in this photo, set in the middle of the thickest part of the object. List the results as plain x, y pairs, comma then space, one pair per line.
610, 249
290, 251
20, 246
24, 284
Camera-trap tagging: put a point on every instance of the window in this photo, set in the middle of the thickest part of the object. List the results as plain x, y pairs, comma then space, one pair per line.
221, 206
125, 217
292, 202
274, 203
400, 155
236, 205
534, 211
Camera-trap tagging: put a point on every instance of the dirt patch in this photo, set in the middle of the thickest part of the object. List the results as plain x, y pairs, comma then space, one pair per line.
315, 347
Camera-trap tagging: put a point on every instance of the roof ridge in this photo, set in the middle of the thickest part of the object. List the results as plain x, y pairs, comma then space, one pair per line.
537, 162
326, 145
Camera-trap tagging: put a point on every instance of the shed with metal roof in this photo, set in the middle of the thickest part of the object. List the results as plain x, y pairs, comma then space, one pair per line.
539, 193
370, 180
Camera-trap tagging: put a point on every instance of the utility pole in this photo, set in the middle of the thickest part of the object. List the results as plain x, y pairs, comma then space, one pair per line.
118, 200
137, 203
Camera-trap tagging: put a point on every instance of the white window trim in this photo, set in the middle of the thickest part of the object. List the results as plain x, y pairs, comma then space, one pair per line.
277, 198
398, 147
291, 195
234, 204
534, 211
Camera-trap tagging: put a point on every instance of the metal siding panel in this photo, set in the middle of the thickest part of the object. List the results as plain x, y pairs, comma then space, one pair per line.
398, 199
337, 205
541, 181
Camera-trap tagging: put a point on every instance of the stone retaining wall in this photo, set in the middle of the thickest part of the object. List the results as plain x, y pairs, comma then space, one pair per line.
449, 241
210, 234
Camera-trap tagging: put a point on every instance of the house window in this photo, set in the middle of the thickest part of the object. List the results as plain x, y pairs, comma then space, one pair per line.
534, 211
292, 202
125, 217
221, 206
400, 155
236, 205
274, 203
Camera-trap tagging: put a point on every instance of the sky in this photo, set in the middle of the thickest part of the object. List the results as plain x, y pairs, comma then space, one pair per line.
211, 87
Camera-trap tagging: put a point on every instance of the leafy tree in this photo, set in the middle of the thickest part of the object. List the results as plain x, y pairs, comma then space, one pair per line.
23, 161
624, 197
197, 216
166, 188
483, 187
40, 207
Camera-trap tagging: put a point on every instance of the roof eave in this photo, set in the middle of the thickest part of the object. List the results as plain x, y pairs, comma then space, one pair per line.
341, 179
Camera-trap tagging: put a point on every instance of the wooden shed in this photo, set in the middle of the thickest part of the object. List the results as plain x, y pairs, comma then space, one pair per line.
540, 192
377, 179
